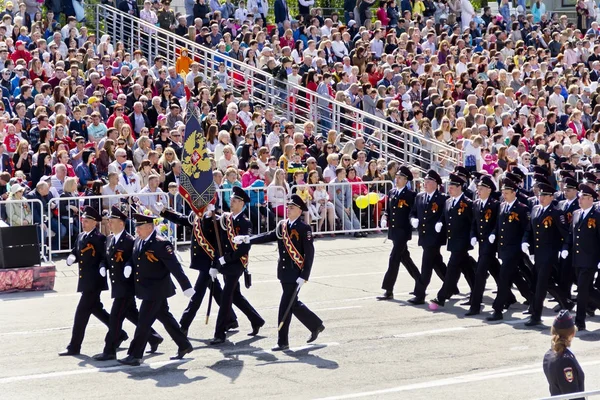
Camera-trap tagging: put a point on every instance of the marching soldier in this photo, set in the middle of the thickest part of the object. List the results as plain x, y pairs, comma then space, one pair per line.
522, 195
400, 202
203, 252
456, 219
425, 214
466, 176
119, 249
153, 261
584, 236
485, 213
232, 265
296, 254
512, 222
544, 236
88, 252
568, 206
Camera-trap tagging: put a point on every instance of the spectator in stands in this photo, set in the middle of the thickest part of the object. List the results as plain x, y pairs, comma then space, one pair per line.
68, 209
278, 192
231, 180
18, 214
128, 179
86, 171
341, 194
42, 168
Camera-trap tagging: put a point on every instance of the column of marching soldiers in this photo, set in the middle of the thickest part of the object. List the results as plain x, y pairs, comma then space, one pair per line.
542, 242
142, 267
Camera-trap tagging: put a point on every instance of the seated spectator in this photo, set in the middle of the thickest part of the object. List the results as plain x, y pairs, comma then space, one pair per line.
341, 194
231, 180
18, 214
321, 202
278, 192
151, 194
68, 209
86, 171
43, 168
228, 159
128, 179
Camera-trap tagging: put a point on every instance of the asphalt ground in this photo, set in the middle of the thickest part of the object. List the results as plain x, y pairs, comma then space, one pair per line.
369, 349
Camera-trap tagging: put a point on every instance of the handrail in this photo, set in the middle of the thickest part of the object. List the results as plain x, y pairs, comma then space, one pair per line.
396, 142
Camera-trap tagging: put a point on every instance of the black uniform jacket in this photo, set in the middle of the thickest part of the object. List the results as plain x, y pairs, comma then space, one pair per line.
118, 255
399, 205
153, 265
89, 252
429, 214
457, 221
296, 249
484, 222
510, 228
547, 233
584, 239
236, 256
564, 373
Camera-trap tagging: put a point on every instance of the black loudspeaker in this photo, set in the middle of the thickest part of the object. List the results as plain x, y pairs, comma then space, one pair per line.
19, 247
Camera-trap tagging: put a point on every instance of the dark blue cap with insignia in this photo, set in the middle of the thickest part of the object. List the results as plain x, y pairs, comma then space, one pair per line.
538, 178
462, 172
590, 177
514, 177
546, 189
91, 213
297, 201
565, 172
519, 173
508, 184
564, 320
570, 183
541, 170
116, 213
141, 219
568, 167
586, 190
240, 194
455, 180
405, 172
487, 181
433, 176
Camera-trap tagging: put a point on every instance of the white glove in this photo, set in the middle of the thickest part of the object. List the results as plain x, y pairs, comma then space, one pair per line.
159, 206
414, 222
222, 260
241, 239
189, 292
492, 239
71, 259
383, 223
208, 211
525, 248
213, 273
438, 227
564, 254
300, 282
473, 241
103, 272
127, 271
532, 258
598, 265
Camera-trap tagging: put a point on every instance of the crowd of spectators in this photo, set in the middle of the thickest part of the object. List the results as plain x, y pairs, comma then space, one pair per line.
82, 116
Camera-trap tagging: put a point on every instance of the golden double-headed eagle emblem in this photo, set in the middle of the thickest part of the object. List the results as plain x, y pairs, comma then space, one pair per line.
196, 159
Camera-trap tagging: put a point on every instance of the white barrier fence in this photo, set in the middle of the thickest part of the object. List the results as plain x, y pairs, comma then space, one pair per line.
335, 208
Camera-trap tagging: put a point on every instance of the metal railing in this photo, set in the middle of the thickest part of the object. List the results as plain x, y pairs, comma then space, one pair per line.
293, 102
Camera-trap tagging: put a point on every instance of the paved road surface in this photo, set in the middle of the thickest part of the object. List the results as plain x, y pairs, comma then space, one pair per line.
370, 349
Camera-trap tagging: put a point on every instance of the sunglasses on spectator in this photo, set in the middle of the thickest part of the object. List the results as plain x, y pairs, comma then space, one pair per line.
118, 109
121, 143
177, 135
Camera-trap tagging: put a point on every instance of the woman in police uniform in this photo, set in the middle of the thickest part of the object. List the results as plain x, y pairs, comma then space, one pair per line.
562, 370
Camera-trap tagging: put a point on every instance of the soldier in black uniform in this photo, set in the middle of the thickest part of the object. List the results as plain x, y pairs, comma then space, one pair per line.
232, 265
568, 206
466, 176
584, 236
522, 195
400, 202
296, 254
153, 261
456, 220
203, 251
485, 213
89, 254
426, 212
563, 372
511, 224
119, 249
545, 235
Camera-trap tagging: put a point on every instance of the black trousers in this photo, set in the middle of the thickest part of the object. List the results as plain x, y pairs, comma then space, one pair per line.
509, 274
122, 308
308, 318
202, 284
432, 261
586, 293
231, 295
89, 304
486, 263
458, 263
399, 254
150, 311
543, 269
567, 275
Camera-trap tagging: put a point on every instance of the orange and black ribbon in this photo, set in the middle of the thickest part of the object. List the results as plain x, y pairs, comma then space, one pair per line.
592, 223
89, 246
513, 216
487, 215
547, 221
201, 239
289, 246
402, 203
434, 207
569, 217
119, 256
461, 207
150, 256
231, 235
